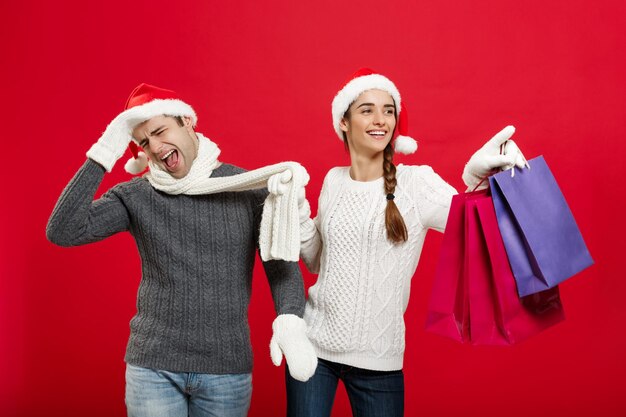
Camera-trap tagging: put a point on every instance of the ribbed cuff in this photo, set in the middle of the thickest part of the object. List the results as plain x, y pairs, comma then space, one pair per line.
361, 360
102, 155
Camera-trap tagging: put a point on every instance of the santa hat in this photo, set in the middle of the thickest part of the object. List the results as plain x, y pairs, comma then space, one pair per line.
366, 79
153, 101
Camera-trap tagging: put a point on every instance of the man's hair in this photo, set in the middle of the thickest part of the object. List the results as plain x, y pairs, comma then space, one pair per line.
179, 120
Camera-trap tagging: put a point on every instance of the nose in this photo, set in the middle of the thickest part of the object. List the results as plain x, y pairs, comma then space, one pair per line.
155, 146
379, 117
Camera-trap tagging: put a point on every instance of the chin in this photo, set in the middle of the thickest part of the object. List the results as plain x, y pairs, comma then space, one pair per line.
379, 146
180, 175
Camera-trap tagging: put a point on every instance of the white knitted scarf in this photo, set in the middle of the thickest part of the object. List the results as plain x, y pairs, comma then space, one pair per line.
280, 227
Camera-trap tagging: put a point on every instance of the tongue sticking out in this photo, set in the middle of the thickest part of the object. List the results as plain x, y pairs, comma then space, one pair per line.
171, 160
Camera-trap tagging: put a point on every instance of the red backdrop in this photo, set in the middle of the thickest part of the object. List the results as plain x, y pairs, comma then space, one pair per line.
261, 76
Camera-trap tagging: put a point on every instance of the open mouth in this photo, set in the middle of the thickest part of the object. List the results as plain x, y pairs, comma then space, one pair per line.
170, 159
377, 134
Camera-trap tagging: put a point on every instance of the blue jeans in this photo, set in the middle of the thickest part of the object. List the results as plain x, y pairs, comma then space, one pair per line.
371, 393
154, 393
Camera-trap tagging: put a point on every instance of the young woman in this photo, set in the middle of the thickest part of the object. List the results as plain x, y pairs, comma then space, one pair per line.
365, 243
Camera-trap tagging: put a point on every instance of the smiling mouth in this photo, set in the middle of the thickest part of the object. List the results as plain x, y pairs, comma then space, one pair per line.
170, 159
377, 134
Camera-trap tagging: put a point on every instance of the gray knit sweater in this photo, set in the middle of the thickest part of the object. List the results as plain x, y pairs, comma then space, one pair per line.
197, 254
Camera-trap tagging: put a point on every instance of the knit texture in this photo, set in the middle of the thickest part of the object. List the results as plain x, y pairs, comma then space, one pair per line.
280, 222
197, 255
355, 310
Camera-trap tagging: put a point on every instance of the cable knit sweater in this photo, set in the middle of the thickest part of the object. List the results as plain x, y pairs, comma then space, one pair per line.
355, 310
197, 254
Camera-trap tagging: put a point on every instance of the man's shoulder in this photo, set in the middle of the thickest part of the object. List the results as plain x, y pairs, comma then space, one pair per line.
227, 170
132, 187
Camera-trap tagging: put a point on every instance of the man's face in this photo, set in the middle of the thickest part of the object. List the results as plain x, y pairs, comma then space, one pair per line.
171, 146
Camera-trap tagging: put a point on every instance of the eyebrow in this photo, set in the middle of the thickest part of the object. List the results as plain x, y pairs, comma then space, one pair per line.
372, 104
156, 130
151, 133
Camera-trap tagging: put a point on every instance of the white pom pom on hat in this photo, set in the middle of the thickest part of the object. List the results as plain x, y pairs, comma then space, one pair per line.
138, 163
366, 79
154, 101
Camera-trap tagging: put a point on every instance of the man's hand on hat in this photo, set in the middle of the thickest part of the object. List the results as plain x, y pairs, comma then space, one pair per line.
114, 141
499, 153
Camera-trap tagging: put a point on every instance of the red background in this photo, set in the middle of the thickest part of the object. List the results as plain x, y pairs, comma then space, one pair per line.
261, 76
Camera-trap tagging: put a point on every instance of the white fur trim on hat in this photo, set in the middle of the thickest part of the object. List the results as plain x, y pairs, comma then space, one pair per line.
160, 107
405, 145
351, 91
136, 166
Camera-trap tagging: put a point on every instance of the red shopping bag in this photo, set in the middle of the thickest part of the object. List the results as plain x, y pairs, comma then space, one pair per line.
474, 296
517, 318
448, 311
482, 295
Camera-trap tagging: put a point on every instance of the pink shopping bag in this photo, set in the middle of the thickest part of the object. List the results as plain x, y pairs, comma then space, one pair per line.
517, 318
448, 311
474, 297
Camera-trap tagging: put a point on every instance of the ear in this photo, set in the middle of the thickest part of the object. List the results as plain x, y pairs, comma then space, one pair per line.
343, 124
188, 125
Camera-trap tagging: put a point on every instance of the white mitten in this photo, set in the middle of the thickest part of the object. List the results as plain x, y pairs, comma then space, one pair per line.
500, 152
114, 141
304, 209
290, 339
277, 185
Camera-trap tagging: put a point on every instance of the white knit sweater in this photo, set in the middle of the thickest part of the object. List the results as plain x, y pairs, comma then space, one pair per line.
355, 310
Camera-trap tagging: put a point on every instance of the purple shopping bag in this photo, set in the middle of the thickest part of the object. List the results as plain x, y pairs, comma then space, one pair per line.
542, 241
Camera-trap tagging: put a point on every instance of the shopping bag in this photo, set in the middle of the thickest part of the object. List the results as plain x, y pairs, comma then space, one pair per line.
482, 296
542, 241
516, 319
474, 297
448, 311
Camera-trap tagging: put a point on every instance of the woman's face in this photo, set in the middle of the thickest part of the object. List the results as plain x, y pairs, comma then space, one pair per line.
370, 122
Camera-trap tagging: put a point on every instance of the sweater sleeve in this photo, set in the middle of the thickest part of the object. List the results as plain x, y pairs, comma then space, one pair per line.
311, 244
285, 279
77, 219
432, 195
310, 232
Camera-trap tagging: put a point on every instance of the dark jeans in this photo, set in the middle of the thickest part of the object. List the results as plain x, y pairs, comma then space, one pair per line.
371, 393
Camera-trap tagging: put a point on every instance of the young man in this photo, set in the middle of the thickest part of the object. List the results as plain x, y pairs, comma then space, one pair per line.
189, 351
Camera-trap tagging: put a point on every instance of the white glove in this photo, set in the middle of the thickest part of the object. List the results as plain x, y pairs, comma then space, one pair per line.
490, 158
114, 141
290, 339
304, 209
277, 185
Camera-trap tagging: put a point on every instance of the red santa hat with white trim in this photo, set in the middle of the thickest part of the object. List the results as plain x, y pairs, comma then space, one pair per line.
153, 101
366, 79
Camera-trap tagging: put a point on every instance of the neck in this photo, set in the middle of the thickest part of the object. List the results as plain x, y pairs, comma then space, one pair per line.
366, 167
197, 146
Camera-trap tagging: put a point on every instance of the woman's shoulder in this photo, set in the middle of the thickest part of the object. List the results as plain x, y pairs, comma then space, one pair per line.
422, 178
335, 174
415, 171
